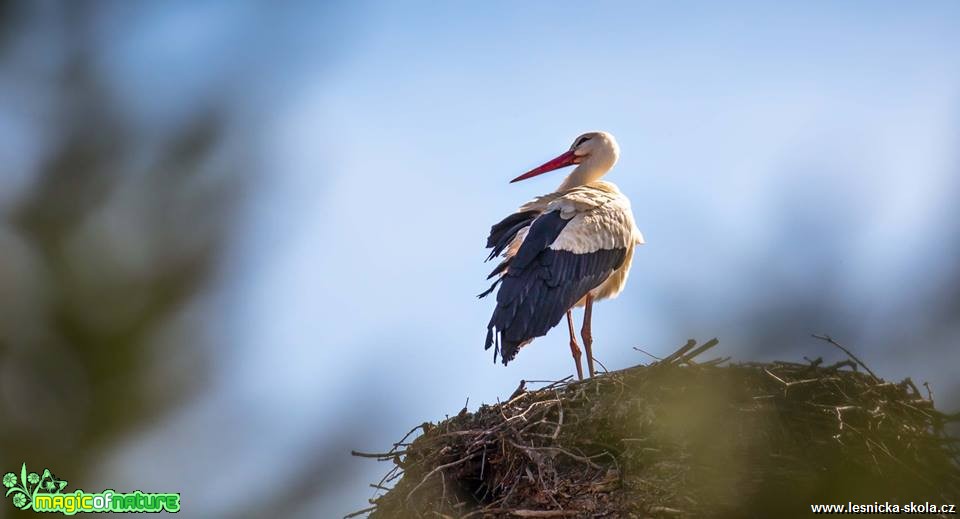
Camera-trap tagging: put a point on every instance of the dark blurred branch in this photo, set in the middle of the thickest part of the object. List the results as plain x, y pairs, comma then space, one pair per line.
848, 352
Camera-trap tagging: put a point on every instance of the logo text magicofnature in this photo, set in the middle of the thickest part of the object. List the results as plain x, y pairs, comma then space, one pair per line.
44, 493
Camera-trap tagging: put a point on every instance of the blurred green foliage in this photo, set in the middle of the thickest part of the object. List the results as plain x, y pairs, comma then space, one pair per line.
105, 255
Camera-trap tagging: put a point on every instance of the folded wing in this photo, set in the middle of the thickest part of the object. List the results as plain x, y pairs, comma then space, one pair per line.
567, 250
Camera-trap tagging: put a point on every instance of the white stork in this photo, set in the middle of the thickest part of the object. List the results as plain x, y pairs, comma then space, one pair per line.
562, 250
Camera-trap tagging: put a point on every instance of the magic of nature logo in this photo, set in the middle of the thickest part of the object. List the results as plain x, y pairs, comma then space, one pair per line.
45, 493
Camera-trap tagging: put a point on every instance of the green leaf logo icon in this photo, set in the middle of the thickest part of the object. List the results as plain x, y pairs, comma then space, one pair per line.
23, 490
50, 484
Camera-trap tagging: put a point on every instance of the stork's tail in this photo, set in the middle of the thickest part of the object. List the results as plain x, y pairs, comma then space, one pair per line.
506, 348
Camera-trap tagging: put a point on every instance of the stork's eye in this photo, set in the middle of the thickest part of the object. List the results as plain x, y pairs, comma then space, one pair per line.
580, 141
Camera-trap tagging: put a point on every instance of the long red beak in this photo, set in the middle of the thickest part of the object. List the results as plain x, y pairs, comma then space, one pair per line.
567, 159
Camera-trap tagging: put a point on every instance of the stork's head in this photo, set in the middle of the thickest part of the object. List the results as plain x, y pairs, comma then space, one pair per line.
594, 152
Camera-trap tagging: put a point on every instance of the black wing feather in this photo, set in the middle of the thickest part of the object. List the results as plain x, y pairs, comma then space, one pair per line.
503, 232
541, 284
528, 306
543, 231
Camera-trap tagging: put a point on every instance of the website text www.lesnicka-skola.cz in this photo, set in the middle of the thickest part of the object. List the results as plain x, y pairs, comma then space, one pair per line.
884, 508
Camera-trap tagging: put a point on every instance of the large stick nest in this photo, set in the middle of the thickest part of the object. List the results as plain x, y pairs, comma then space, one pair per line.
679, 438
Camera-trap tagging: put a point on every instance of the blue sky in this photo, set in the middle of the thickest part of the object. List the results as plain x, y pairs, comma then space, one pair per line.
726, 115
760, 142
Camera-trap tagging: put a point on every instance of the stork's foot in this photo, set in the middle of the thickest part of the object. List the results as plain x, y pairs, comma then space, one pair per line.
588, 346
575, 351
586, 334
574, 348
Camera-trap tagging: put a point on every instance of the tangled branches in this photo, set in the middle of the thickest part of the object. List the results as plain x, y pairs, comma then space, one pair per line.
679, 438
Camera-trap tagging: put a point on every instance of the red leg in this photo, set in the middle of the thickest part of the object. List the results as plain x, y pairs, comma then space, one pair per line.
574, 348
586, 334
